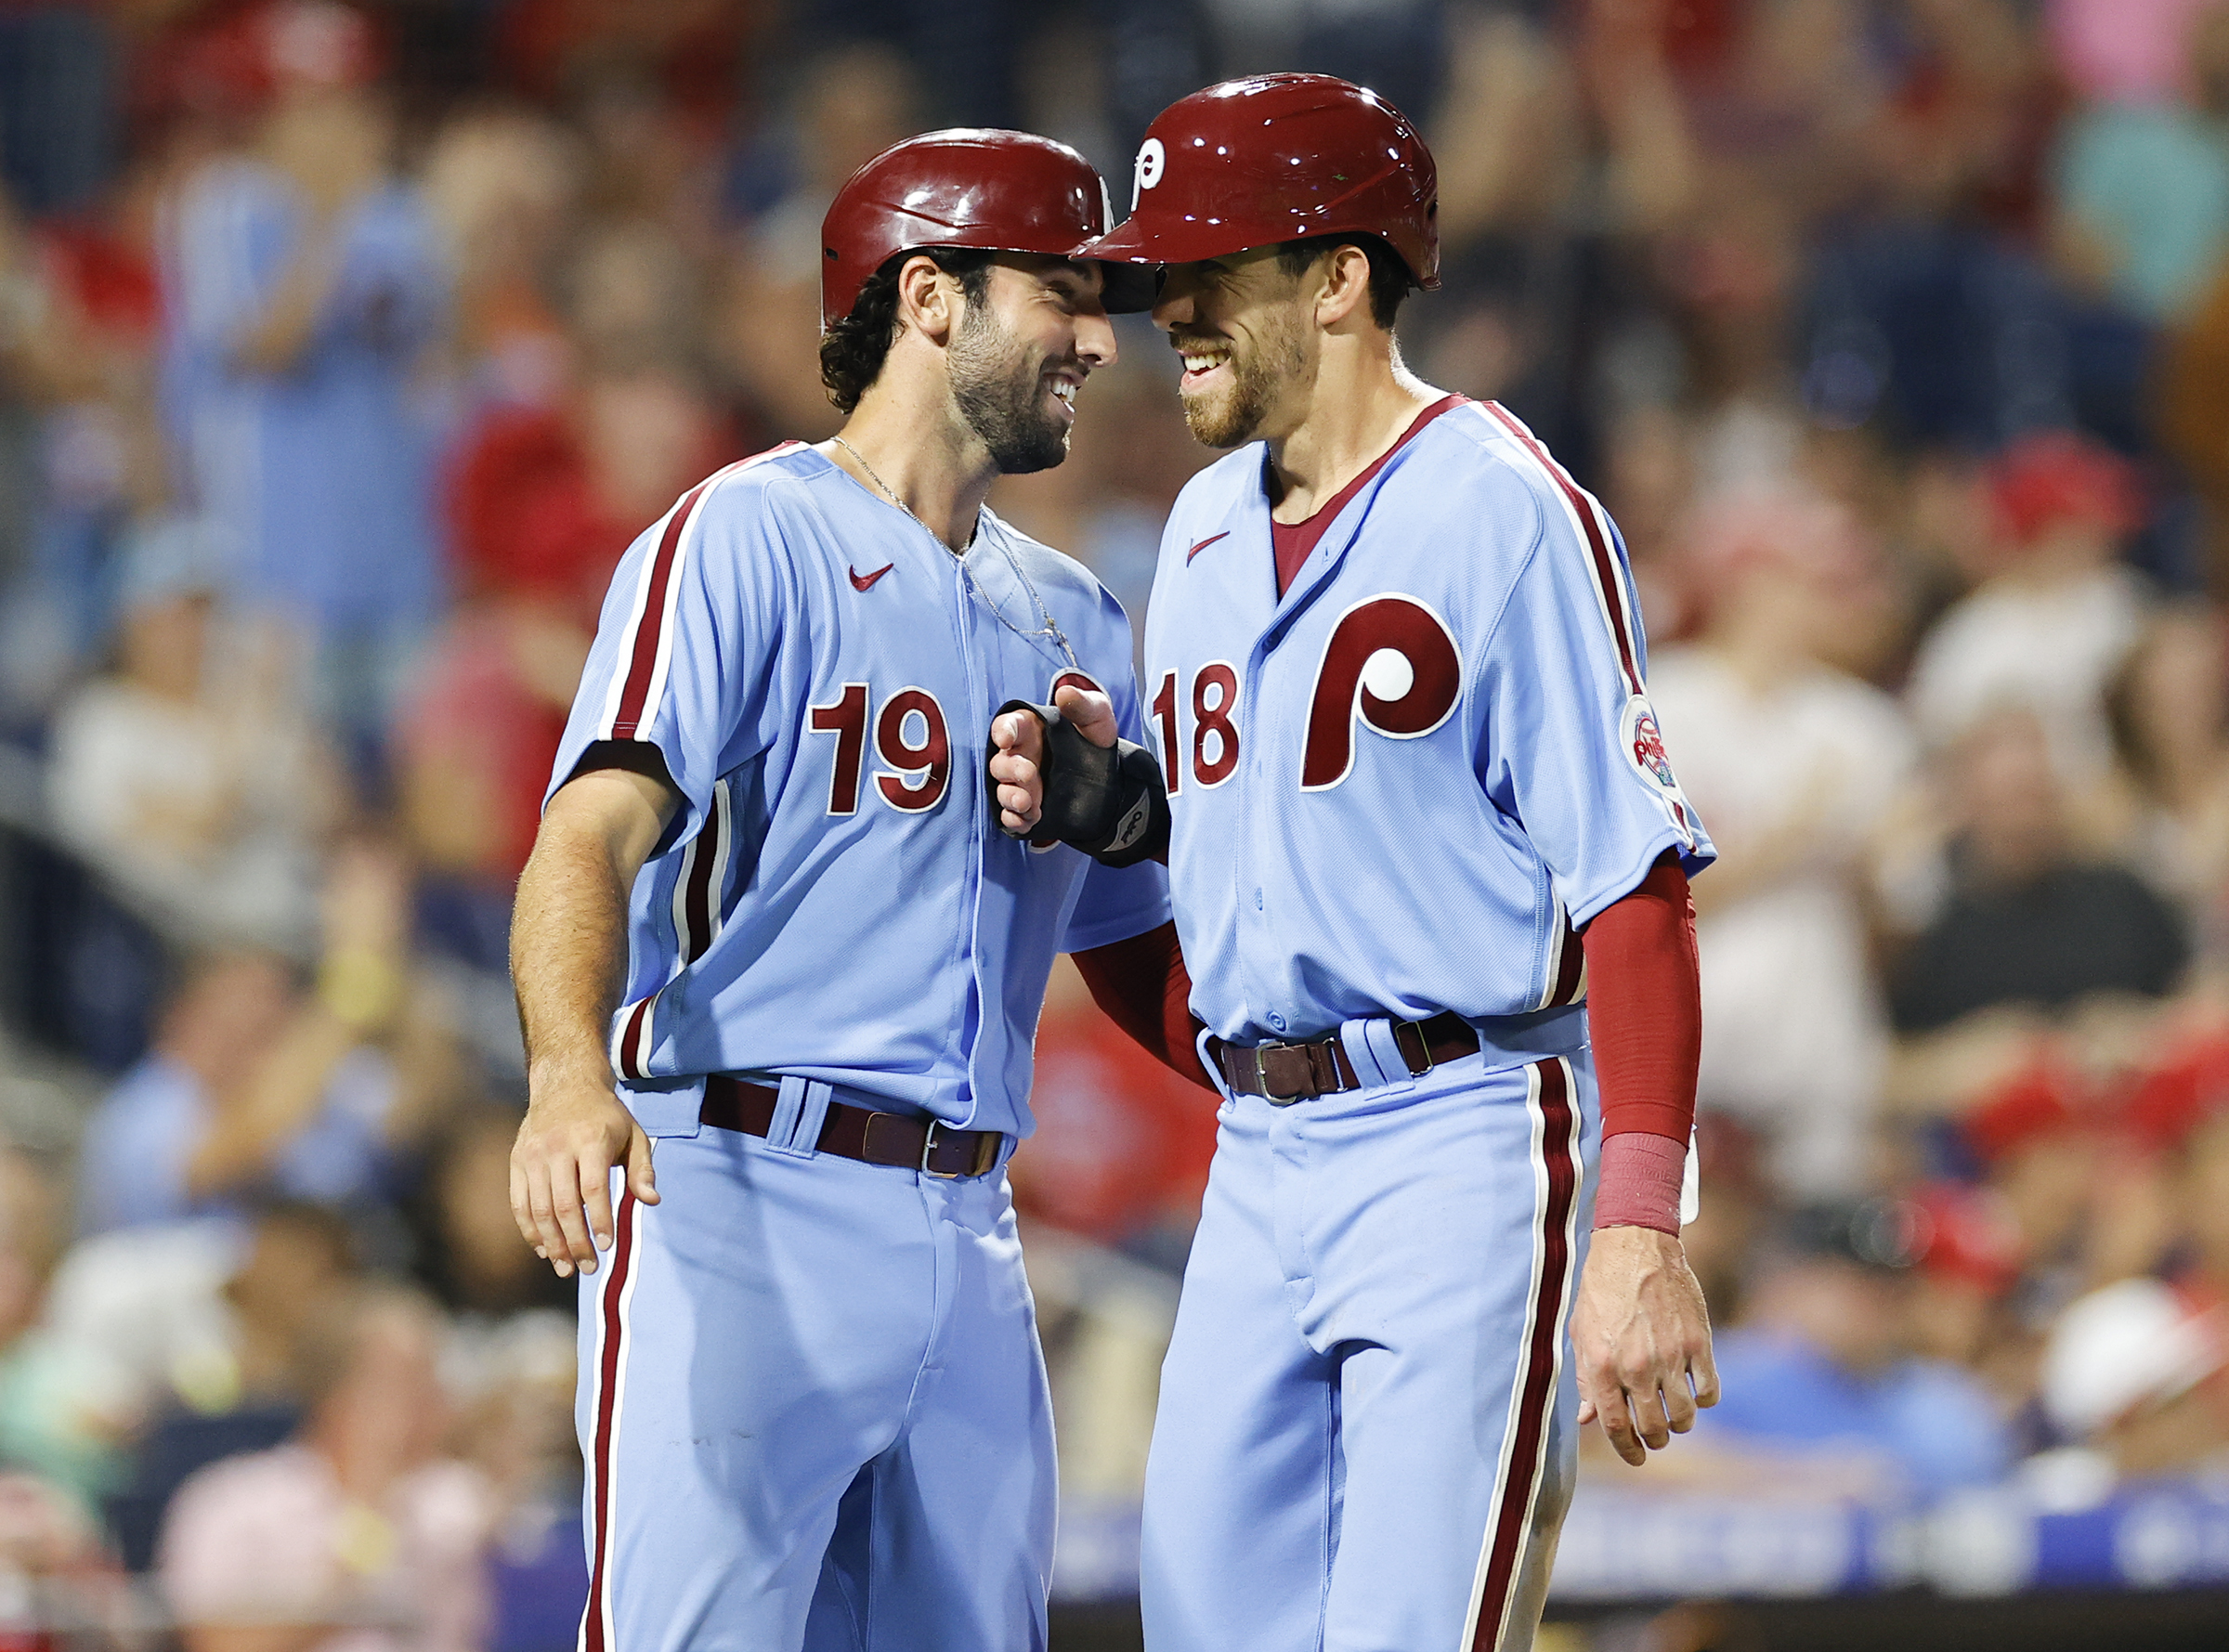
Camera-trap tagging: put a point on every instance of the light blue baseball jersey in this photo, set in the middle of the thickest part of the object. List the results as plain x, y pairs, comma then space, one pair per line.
1400, 788
833, 899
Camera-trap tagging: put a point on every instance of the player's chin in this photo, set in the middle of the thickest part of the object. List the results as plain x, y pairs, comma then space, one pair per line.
1029, 450
1215, 417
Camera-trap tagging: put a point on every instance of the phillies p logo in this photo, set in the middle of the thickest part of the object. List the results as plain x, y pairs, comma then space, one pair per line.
1153, 159
1391, 666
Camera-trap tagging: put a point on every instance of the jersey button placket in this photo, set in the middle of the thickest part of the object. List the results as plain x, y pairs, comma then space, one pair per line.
979, 804
1256, 741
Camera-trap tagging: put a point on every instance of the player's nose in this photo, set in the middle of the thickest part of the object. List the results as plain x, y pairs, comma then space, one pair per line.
1095, 339
1175, 305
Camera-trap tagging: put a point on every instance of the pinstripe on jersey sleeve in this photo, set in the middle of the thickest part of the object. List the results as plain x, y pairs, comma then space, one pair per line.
1570, 745
685, 641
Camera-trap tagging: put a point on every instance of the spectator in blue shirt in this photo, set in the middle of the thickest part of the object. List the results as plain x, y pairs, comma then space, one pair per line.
304, 286
1821, 1364
254, 1088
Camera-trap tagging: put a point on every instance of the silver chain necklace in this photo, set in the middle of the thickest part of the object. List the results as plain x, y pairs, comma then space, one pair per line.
1051, 628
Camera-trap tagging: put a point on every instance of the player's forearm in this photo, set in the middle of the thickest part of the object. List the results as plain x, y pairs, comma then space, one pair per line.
1645, 1021
569, 955
569, 925
1140, 984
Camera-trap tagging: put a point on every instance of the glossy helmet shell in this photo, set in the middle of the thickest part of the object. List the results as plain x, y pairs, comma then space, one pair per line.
1275, 158
967, 187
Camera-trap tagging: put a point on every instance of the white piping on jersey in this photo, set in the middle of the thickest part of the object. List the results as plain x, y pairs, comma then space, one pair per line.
633, 1061
724, 811
1618, 616
691, 532
688, 944
1558, 929
616, 687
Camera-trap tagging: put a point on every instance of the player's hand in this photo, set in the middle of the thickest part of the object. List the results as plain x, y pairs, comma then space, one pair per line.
1642, 1336
1018, 742
573, 1134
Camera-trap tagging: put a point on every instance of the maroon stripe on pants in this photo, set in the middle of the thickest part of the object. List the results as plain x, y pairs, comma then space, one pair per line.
1558, 1137
1606, 565
652, 625
607, 1374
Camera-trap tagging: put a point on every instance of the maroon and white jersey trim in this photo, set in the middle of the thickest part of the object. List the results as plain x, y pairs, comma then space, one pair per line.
1566, 973
1611, 598
699, 889
633, 1036
1551, 1097
701, 883
1593, 533
610, 1377
646, 645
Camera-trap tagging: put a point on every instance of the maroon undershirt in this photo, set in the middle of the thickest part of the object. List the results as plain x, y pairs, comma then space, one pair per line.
1294, 540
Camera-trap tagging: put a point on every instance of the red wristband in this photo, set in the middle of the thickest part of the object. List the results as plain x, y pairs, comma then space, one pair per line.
1640, 1182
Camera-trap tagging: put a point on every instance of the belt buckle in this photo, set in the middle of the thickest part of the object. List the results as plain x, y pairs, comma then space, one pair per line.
1421, 1062
1309, 1090
986, 1154
928, 1147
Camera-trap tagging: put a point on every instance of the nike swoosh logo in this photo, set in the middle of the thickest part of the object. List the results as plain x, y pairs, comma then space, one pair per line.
867, 582
1204, 544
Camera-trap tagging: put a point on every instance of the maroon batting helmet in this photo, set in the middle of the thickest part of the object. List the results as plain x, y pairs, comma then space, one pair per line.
967, 187
1275, 158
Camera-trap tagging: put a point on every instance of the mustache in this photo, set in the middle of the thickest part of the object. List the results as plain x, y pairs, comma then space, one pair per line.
1179, 338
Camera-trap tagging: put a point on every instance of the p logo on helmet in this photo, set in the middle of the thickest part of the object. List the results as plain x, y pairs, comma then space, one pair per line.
1153, 159
1275, 158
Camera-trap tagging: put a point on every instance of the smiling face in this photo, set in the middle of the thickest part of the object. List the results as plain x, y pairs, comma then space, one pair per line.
1022, 354
1242, 326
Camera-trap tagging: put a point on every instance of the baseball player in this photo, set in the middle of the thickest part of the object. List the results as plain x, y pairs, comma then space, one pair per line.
1417, 810
769, 928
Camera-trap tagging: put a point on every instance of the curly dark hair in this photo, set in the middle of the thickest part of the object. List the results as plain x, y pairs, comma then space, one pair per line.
852, 349
1390, 279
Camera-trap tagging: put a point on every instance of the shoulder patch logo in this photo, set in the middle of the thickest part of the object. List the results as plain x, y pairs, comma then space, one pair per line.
1644, 743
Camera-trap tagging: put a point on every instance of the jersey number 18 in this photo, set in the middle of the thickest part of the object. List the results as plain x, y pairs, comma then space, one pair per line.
1391, 665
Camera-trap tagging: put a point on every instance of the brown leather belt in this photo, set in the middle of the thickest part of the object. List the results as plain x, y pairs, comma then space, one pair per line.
901, 1140
1289, 1072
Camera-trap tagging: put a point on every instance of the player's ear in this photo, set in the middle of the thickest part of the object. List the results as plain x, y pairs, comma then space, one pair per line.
1345, 276
927, 299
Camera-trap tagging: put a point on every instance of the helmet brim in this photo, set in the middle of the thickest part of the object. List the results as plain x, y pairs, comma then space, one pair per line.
1130, 287
1132, 243
1192, 240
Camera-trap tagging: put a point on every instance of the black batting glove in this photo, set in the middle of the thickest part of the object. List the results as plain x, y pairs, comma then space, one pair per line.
1108, 801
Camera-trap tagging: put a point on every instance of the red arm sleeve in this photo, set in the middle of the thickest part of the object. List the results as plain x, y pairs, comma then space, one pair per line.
1142, 986
1644, 1005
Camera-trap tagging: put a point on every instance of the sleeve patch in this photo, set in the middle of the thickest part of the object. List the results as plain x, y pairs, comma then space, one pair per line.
1644, 745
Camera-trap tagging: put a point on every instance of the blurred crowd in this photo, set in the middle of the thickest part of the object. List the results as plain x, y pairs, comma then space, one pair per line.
345, 347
